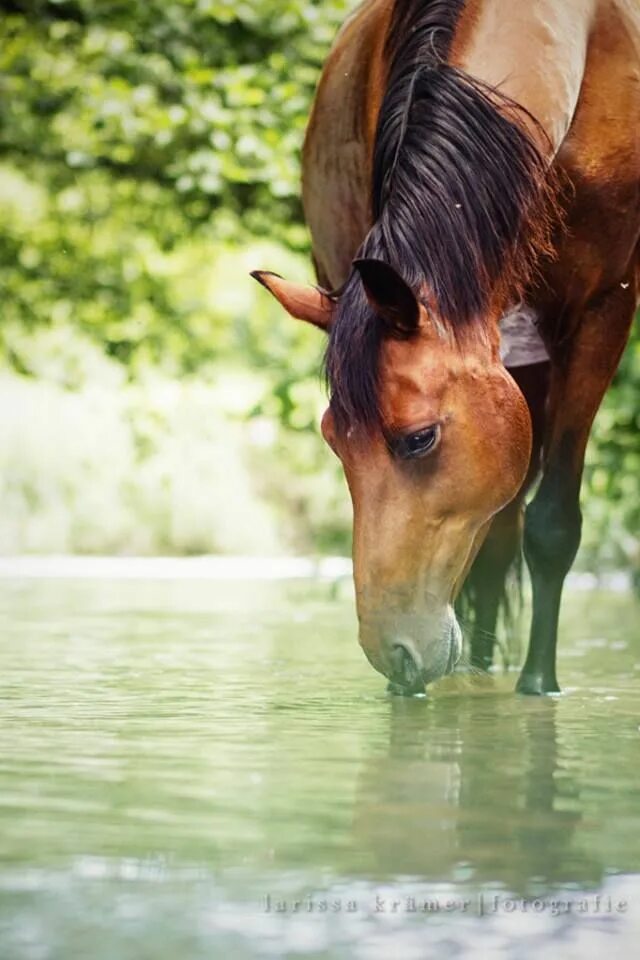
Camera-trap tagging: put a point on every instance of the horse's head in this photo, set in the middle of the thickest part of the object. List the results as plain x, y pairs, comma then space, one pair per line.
450, 447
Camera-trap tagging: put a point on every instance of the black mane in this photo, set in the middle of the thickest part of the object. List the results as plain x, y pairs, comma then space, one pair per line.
460, 199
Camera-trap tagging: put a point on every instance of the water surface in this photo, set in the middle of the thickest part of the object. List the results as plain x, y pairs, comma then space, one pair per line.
213, 770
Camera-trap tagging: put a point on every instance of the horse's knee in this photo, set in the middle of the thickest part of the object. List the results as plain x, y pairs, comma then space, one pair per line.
552, 531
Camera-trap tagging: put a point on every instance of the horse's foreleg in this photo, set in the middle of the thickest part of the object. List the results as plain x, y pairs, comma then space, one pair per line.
486, 588
579, 379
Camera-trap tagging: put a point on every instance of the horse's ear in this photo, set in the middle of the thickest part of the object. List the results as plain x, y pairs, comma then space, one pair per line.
389, 295
300, 300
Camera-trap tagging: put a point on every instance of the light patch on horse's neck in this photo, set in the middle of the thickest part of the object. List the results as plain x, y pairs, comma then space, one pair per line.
533, 52
520, 341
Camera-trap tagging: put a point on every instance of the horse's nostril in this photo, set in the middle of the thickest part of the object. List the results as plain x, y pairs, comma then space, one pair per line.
405, 669
406, 673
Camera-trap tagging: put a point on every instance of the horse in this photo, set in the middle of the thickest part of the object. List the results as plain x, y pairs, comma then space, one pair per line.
471, 181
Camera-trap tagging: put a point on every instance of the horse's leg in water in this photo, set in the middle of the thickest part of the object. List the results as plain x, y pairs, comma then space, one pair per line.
486, 586
580, 375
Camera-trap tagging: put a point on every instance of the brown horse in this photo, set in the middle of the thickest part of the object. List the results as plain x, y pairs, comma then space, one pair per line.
481, 161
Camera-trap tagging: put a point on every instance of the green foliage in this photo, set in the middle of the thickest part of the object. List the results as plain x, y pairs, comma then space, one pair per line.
143, 149
197, 96
226, 460
155, 466
611, 500
130, 130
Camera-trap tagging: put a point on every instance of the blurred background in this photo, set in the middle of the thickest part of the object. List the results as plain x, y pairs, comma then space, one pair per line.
153, 399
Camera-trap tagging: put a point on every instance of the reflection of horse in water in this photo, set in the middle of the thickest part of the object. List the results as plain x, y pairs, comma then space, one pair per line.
445, 804
431, 157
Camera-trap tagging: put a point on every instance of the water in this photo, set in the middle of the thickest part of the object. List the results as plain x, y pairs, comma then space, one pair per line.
193, 770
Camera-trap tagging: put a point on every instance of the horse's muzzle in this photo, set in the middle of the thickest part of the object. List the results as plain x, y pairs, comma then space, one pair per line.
411, 670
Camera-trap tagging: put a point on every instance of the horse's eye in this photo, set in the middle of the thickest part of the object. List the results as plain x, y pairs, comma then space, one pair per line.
418, 444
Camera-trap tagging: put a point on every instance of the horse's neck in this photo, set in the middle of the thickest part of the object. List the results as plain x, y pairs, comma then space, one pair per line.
534, 52
336, 168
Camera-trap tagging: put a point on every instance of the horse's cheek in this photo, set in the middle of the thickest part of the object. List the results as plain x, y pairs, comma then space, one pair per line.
521, 438
514, 443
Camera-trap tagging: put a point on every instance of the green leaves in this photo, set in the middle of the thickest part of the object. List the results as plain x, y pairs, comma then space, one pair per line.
209, 99
139, 134
611, 500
